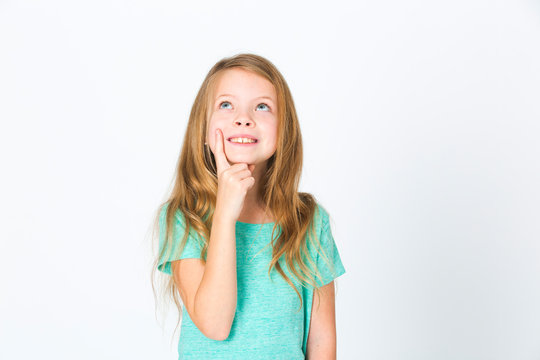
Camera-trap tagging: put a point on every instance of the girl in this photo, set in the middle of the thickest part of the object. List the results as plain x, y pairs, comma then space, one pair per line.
244, 249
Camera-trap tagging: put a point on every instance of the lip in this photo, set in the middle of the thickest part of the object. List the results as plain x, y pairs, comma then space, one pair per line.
242, 136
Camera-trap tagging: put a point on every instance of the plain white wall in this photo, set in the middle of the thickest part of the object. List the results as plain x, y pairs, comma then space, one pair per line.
421, 127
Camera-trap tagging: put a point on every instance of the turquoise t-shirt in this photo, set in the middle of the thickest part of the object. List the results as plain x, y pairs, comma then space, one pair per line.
267, 323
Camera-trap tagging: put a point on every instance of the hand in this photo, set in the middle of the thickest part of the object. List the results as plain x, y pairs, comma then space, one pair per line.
233, 182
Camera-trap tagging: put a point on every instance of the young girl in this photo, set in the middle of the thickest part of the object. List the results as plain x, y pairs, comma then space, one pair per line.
244, 249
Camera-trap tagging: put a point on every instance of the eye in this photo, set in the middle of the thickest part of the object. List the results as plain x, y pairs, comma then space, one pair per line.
268, 107
224, 102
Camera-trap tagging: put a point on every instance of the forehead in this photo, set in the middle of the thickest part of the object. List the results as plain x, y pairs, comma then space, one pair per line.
243, 83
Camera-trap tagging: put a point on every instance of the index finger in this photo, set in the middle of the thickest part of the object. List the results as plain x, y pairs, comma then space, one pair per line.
221, 159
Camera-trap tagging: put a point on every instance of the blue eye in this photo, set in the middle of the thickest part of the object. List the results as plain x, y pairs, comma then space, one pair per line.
224, 102
264, 105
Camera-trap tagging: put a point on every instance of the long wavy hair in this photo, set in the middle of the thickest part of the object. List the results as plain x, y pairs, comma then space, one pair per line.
195, 185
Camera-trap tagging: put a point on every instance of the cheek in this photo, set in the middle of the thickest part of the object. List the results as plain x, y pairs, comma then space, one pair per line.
273, 130
211, 133
274, 145
272, 139
215, 123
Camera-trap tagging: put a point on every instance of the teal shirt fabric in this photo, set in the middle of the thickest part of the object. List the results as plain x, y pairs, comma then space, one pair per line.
268, 323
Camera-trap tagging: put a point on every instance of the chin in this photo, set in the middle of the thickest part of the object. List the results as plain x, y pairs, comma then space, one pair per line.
245, 159
240, 159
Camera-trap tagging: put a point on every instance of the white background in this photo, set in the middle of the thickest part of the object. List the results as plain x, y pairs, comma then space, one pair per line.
421, 128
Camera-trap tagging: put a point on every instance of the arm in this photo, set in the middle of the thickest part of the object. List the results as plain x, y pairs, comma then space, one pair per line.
215, 300
212, 286
321, 343
209, 290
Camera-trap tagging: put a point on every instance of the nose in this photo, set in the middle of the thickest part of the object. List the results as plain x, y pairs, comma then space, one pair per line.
244, 120
247, 123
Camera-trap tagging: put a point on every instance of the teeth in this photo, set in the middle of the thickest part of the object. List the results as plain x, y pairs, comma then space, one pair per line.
242, 140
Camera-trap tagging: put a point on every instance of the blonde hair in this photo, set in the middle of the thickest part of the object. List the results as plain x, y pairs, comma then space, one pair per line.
195, 186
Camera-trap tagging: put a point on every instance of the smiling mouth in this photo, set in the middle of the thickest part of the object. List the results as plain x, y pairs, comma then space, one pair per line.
242, 140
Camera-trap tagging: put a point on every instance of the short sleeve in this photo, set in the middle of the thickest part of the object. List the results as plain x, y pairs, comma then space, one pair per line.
193, 246
330, 267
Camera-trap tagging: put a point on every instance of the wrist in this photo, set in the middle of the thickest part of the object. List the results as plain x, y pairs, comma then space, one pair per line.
223, 218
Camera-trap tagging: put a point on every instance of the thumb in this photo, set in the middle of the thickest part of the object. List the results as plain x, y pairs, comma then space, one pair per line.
251, 167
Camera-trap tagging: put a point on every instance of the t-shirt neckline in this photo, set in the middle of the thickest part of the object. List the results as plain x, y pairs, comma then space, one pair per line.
248, 224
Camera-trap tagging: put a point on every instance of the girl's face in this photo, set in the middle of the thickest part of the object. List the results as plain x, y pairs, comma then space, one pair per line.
244, 105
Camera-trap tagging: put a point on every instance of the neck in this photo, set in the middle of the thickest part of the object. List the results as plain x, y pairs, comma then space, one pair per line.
254, 208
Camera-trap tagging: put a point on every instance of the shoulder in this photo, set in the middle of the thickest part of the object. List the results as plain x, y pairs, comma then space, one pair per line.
178, 215
176, 227
321, 217
319, 236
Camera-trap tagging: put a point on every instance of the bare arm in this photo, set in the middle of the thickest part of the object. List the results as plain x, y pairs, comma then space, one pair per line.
322, 338
209, 290
215, 300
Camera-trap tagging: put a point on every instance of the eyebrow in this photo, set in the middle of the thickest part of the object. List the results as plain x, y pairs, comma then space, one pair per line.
260, 97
